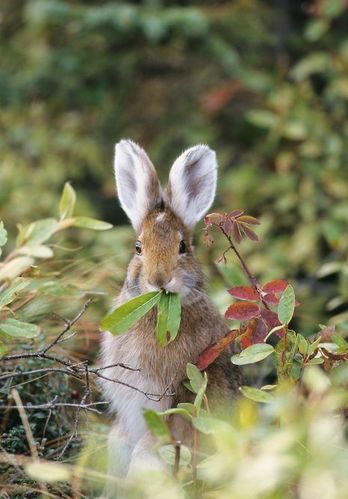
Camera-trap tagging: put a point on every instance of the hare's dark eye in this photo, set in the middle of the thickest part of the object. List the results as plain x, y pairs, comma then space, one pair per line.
138, 247
182, 247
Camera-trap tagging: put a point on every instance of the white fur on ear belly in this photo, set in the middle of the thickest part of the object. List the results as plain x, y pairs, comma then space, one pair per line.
192, 184
138, 186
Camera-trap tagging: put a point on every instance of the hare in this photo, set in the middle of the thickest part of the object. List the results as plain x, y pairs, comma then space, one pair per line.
163, 259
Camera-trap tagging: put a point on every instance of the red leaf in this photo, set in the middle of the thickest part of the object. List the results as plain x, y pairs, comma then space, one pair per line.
236, 233
249, 220
227, 225
242, 311
271, 320
271, 298
244, 293
276, 286
235, 213
213, 351
250, 233
326, 333
254, 334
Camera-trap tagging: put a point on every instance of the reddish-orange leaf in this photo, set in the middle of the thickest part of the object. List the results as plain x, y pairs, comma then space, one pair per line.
244, 293
245, 339
242, 311
208, 355
256, 333
247, 219
276, 286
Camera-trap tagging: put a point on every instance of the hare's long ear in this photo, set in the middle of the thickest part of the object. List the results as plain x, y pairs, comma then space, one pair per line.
137, 183
192, 184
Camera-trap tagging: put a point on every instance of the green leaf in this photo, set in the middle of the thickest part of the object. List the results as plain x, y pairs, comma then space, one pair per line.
302, 344
18, 329
89, 223
156, 425
316, 62
167, 453
256, 394
168, 318
340, 342
177, 410
124, 316
48, 471
9, 294
39, 251
313, 346
40, 231
262, 118
286, 305
195, 376
201, 392
67, 202
252, 354
15, 267
3, 236
208, 425
3, 349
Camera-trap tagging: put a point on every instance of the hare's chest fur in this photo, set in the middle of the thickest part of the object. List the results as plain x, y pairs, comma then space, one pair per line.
131, 391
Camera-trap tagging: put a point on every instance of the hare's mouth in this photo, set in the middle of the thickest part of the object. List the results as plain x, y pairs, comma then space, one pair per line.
172, 286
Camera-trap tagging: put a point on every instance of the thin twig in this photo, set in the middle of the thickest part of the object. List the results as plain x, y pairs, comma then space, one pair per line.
68, 325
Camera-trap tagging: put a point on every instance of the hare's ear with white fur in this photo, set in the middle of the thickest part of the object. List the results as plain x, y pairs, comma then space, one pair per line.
137, 183
192, 184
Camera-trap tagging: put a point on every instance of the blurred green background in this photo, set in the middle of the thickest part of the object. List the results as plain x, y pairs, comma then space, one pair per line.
265, 83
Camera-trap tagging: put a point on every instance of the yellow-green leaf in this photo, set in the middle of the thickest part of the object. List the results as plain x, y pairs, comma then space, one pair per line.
15, 267
9, 294
256, 394
252, 354
195, 377
48, 472
89, 223
124, 316
67, 202
168, 318
167, 453
39, 251
286, 305
19, 329
40, 231
3, 235
156, 425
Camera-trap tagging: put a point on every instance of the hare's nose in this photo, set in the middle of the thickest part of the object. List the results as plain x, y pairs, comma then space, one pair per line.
158, 280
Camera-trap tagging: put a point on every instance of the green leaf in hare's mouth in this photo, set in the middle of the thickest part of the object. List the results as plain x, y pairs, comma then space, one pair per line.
127, 314
168, 318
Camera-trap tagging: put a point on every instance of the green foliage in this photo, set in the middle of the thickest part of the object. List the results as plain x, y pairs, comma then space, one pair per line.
129, 313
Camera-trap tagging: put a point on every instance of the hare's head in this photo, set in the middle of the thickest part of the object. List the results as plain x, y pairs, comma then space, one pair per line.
164, 219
